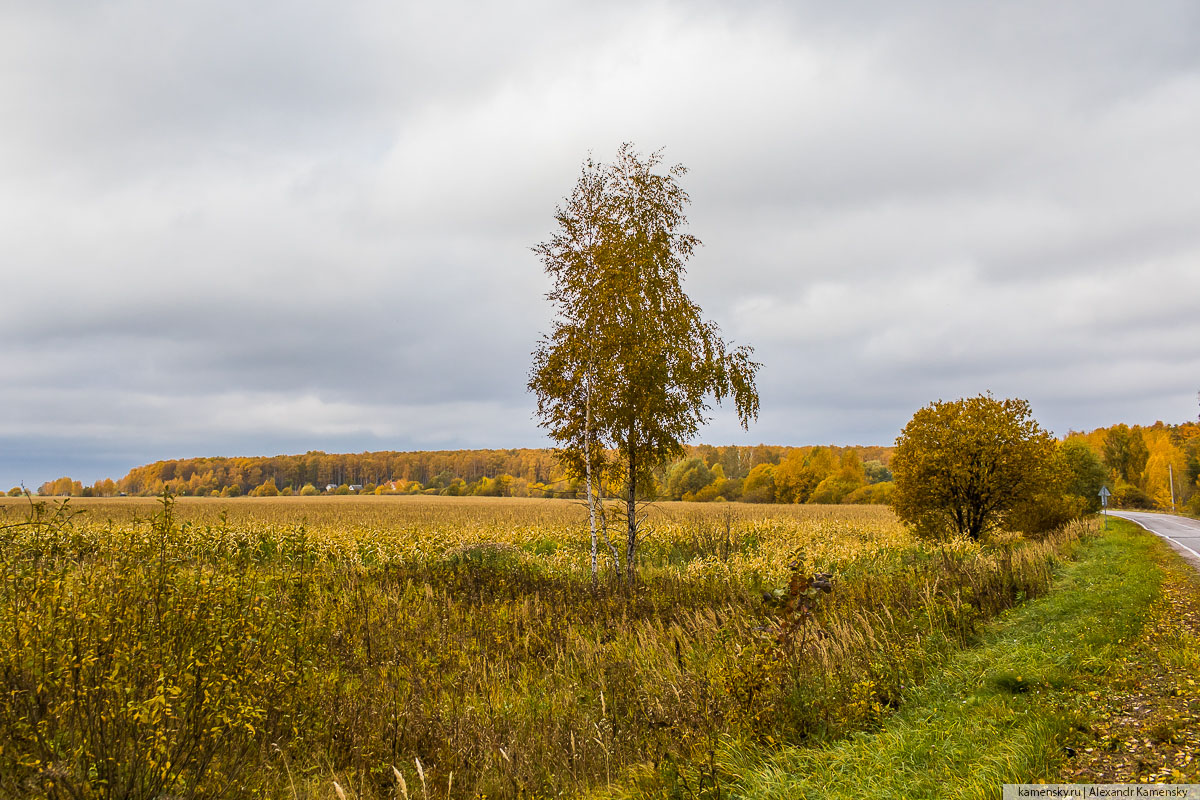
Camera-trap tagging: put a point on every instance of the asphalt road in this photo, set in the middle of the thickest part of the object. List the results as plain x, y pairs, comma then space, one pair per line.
1182, 532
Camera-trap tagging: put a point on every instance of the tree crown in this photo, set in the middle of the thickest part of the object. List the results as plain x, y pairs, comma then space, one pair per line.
630, 364
962, 466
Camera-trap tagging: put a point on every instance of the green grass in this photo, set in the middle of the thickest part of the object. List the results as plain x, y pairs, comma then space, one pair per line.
998, 713
1144, 722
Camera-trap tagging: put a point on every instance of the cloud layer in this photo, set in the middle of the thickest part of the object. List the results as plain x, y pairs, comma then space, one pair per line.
237, 229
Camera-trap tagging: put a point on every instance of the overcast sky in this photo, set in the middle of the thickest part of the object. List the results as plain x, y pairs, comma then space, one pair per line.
233, 228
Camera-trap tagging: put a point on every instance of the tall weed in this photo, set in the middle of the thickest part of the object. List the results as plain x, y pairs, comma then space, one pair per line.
191, 652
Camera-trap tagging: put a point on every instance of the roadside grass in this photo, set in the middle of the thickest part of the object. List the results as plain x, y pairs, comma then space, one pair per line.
1145, 720
1001, 712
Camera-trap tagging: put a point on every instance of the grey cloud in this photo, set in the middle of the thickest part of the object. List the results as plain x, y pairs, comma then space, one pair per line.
274, 228
396, 348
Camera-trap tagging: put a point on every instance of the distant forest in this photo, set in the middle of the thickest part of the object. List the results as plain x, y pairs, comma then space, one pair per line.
1147, 467
763, 473
1151, 467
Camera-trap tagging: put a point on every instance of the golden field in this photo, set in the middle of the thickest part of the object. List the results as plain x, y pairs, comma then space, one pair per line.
455, 647
391, 529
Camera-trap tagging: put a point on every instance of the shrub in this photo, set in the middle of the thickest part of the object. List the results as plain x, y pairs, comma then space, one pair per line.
833, 489
1045, 512
880, 493
1193, 506
1127, 496
266, 489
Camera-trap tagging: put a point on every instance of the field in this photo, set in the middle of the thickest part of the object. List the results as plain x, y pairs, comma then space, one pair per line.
442, 647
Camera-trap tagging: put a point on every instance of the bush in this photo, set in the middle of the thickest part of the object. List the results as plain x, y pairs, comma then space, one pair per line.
309, 490
720, 490
1045, 512
833, 489
1131, 497
880, 493
266, 489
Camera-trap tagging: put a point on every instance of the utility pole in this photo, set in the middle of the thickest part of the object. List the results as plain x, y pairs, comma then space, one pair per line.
1171, 480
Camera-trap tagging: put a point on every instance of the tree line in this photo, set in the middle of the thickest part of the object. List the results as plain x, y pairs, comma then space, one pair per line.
1147, 465
1137, 463
760, 473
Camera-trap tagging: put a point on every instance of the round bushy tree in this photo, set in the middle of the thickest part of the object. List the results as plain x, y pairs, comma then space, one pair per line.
961, 467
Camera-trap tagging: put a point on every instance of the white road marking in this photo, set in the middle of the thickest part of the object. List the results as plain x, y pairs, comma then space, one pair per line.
1136, 521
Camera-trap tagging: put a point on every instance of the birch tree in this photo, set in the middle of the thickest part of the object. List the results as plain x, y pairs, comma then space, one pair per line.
628, 371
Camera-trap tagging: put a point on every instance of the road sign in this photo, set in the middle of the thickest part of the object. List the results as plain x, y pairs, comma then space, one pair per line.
1104, 495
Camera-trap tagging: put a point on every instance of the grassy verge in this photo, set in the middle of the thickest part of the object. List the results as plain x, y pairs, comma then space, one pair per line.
1001, 712
1144, 720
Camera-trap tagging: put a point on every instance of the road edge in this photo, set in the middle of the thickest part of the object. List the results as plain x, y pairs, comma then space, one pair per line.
1186, 553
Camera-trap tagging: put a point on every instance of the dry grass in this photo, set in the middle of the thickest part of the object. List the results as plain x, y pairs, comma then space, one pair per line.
272, 646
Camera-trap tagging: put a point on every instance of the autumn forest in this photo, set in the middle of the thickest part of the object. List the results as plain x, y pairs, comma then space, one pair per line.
1140, 464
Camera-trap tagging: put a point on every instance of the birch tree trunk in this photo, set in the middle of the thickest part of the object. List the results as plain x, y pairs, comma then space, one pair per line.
587, 469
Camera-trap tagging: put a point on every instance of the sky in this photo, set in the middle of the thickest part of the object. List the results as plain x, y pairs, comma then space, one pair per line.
234, 228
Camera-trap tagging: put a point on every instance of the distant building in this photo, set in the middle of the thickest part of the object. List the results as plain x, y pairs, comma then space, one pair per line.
331, 487
356, 487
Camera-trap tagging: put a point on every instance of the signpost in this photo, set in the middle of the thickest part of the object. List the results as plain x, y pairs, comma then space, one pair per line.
1104, 493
